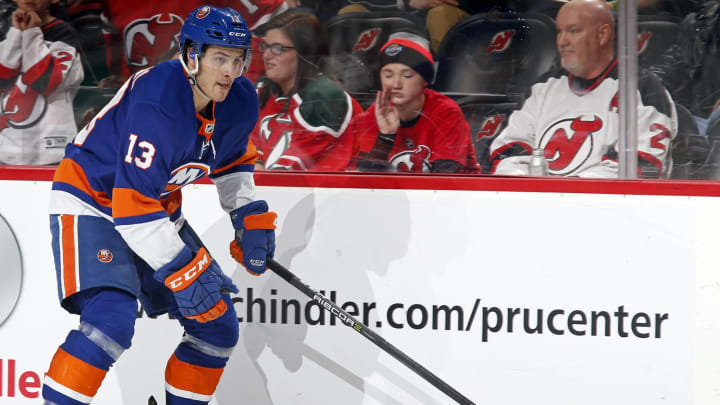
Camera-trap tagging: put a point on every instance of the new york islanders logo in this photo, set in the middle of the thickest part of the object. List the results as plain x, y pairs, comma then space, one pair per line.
203, 12
145, 39
501, 41
569, 143
367, 39
416, 160
104, 255
643, 41
184, 175
491, 126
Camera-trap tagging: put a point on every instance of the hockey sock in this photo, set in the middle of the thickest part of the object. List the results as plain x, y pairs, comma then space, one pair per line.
81, 362
194, 370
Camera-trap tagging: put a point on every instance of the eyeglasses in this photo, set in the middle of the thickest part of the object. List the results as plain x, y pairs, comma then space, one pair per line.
276, 49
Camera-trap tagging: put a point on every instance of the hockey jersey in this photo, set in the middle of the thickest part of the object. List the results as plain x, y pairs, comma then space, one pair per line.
147, 30
439, 135
129, 163
306, 131
575, 122
40, 71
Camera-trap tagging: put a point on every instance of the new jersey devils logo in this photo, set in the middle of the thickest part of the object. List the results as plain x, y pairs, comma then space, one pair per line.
145, 39
643, 41
491, 126
416, 160
568, 143
367, 39
22, 107
501, 41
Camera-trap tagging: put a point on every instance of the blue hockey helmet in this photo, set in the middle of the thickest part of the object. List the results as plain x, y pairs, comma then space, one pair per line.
207, 25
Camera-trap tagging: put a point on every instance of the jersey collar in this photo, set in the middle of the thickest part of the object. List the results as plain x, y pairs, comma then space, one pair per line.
583, 86
207, 125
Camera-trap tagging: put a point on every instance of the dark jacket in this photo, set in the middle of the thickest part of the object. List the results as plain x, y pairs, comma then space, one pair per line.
689, 69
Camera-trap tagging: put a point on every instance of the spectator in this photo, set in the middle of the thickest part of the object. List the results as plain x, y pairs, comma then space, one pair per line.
574, 116
148, 29
40, 71
303, 113
411, 128
690, 67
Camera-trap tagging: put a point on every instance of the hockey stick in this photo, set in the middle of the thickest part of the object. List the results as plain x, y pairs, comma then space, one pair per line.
361, 328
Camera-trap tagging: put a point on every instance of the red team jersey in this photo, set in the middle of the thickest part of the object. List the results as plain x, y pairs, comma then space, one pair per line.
307, 130
148, 29
439, 133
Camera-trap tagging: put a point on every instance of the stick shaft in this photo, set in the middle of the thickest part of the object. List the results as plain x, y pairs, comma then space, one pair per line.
361, 328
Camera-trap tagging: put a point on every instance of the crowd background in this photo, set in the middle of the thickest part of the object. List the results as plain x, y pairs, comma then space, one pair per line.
485, 56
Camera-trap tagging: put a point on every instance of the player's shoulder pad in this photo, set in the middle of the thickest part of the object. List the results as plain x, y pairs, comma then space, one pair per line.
652, 92
164, 85
324, 103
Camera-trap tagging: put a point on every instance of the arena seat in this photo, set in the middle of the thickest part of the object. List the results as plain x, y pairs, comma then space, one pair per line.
689, 149
487, 116
711, 168
656, 34
355, 40
496, 53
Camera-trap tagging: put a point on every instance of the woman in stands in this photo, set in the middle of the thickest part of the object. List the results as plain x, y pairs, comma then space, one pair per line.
411, 128
303, 113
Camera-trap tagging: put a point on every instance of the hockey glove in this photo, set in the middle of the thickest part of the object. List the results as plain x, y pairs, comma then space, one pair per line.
197, 287
254, 236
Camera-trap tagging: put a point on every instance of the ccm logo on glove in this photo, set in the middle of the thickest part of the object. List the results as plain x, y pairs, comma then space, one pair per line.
182, 278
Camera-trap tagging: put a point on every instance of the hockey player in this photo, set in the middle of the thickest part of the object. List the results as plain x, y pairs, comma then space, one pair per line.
411, 128
303, 113
40, 71
573, 117
118, 233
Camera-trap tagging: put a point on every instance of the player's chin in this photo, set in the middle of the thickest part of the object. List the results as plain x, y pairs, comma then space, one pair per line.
220, 93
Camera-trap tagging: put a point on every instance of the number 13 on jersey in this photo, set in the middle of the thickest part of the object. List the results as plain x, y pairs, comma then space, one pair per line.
146, 155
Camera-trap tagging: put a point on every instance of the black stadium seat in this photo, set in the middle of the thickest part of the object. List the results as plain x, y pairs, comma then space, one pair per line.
656, 34
711, 168
355, 41
496, 53
487, 115
689, 149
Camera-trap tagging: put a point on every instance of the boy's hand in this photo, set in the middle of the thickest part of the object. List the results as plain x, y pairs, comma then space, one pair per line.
19, 19
33, 20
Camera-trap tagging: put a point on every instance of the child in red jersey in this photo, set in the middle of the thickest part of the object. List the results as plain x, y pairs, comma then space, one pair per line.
411, 128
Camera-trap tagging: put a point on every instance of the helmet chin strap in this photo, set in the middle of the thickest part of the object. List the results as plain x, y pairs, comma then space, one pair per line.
192, 73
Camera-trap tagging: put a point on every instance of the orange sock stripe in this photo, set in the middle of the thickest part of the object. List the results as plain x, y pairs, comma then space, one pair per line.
67, 246
189, 377
75, 374
266, 220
